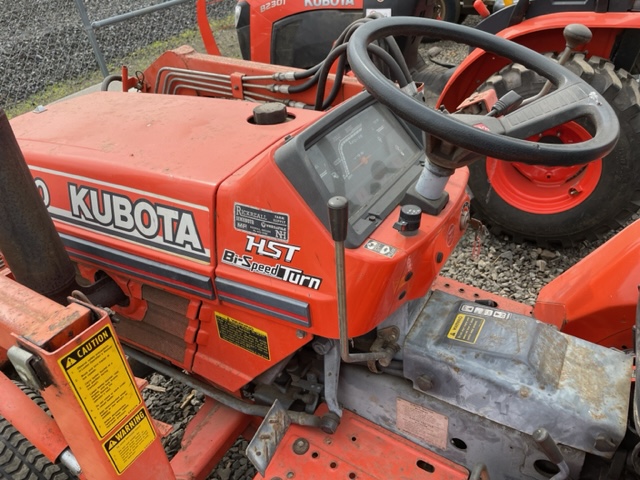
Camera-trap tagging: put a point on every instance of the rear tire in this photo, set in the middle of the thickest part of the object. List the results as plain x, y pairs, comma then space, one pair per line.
447, 10
19, 459
610, 195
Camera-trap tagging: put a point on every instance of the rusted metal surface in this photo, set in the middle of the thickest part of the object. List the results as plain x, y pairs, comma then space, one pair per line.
535, 375
267, 439
474, 294
43, 322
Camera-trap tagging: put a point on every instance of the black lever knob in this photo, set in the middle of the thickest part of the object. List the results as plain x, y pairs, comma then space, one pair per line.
576, 35
409, 221
338, 218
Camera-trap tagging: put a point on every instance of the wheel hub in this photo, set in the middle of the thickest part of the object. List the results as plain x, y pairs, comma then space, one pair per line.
541, 189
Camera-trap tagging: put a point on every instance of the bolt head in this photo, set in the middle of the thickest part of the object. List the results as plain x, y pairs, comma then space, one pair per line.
300, 446
424, 383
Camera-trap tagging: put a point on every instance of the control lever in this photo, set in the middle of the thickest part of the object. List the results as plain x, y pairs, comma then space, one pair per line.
338, 222
550, 448
575, 35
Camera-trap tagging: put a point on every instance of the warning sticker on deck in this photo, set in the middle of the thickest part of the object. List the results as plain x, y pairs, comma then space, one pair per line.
101, 382
427, 425
242, 335
130, 441
466, 328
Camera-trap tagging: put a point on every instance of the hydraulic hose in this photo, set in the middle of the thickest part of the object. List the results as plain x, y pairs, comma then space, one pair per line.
104, 86
381, 53
335, 89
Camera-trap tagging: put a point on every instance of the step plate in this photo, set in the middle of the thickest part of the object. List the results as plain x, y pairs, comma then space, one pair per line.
358, 450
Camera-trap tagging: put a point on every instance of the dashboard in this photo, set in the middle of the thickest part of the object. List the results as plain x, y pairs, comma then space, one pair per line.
359, 150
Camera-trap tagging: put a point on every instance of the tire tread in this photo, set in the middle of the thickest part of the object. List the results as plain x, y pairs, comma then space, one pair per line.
622, 91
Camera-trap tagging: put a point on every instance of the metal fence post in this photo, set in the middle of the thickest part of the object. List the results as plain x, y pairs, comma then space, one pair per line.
92, 37
90, 27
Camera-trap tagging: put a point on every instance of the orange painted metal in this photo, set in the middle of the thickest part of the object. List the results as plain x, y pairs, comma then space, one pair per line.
187, 58
542, 34
386, 282
30, 420
41, 322
148, 149
207, 438
596, 298
50, 332
358, 450
231, 366
87, 444
208, 39
473, 294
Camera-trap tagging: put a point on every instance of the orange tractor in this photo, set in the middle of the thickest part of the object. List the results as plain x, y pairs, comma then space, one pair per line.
284, 261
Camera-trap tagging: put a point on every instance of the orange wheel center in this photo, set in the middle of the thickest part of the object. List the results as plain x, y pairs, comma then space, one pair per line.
541, 189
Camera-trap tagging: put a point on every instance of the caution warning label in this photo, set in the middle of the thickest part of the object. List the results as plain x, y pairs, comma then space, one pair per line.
101, 382
243, 335
130, 441
466, 328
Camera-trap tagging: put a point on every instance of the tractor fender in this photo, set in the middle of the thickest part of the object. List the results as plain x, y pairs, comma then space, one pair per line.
596, 298
542, 34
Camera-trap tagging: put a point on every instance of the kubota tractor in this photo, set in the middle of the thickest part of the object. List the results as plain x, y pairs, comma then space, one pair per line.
285, 260
547, 205
300, 33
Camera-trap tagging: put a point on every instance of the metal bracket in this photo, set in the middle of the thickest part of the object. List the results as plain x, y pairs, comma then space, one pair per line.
264, 443
386, 341
331, 378
27, 366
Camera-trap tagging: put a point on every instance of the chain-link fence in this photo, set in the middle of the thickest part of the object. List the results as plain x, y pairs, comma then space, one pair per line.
46, 53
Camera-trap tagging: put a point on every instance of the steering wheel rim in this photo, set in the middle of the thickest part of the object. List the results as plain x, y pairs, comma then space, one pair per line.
501, 137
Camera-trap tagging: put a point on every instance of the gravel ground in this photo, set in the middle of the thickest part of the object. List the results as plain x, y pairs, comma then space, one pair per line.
41, 50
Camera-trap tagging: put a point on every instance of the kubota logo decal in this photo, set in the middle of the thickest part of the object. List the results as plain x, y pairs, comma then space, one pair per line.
328, 3
134, 215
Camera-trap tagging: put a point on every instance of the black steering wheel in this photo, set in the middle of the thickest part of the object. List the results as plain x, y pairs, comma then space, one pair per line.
501, 137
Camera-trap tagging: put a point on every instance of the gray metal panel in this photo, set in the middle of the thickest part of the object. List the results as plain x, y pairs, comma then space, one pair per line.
469, 439
141, 267
263, 301
520, 373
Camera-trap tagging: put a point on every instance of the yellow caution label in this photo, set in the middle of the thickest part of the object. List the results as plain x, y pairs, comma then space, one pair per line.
130, 441
466, 328
242, 335
98, 375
